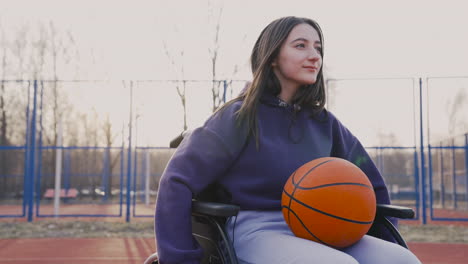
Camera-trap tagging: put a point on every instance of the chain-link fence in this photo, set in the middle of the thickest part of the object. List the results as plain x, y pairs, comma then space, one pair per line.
98, 148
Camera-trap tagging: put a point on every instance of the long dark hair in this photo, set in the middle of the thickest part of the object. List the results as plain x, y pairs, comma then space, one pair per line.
264, 52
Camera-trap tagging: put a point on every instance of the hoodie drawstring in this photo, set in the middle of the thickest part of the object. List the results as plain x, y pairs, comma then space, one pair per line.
293, 110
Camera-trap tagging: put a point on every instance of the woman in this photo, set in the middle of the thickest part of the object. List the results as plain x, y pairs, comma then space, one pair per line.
252, 145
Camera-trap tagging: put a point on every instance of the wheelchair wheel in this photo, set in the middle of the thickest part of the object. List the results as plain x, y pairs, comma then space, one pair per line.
153, 259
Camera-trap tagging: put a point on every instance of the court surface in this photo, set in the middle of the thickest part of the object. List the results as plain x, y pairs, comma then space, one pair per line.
135, 250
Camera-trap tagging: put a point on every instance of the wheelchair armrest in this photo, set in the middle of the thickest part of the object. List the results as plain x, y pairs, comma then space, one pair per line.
214, 209
394, 211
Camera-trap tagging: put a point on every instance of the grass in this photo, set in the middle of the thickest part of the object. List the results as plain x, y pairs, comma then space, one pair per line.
79, 229
435, 233
89, 229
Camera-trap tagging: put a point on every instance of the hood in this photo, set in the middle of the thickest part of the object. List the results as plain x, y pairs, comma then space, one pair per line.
271, 100
295, 130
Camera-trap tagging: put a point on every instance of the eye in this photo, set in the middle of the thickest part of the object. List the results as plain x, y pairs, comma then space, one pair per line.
319, 49
300, 45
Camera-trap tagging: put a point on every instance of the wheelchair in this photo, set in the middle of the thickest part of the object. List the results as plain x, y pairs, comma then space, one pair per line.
209, 218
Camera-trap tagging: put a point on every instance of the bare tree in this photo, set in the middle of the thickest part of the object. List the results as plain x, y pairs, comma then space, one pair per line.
3, 119
180, 72
31, 48
89, 157
112, 161
4, 163
60, 46
455, 112
213, 50
42, 46
19, 49
221, 81
12, 102
39, 50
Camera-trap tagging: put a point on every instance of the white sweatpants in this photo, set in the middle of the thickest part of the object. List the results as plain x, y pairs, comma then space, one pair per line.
264, 237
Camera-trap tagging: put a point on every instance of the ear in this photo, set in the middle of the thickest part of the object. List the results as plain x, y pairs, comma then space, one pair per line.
274, 64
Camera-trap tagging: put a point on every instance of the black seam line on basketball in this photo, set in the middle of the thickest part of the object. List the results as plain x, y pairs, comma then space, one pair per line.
303, 176
328, 214
334, 184
292, 180
307, 229
313, 168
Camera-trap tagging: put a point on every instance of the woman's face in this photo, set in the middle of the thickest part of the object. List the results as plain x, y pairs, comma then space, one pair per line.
299, 60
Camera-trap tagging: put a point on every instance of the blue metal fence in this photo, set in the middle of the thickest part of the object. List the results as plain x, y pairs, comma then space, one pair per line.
446, 102
400, 168
96, 186
120, 179
448, 179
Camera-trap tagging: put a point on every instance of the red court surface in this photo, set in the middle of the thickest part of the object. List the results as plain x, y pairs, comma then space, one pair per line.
135, 250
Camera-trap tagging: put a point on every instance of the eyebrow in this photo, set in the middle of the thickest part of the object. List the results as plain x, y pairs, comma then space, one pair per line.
306, 40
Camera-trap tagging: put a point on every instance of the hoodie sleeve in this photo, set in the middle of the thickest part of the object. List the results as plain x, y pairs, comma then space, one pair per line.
201, 158
347, 146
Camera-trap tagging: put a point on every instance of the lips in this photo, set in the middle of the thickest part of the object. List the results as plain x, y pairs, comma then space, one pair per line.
310, 68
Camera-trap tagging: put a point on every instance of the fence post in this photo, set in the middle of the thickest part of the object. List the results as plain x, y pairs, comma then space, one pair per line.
67, 169
129, 156
423, 165
135, 171
147, 176
31, 157
431, 179
442, 180
466, 169
26, 151
58, 169
416, 181
105, 174
39, 154
121, 179
454, 175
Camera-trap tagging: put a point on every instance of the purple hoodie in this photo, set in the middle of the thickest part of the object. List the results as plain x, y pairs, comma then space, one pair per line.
221, 152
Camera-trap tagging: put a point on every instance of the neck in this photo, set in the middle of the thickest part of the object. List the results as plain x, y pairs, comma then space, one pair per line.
287, 93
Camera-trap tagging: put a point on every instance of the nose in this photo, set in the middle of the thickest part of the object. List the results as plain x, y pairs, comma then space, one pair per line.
314, 55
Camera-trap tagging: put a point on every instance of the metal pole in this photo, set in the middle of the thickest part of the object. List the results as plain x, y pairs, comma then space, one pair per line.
454, 176
147, 177
58, 170
442, 180
26, 152
135, 165
31, 156
129, 156
122, 163
134, 174
39, 154
67, 169
466, 169
416, 181
431, 180
105, 175
423, 163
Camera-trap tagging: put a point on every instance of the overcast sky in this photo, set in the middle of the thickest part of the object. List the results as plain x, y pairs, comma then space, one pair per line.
363, 39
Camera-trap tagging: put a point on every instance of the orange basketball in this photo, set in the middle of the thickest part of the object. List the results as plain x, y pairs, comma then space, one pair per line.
330, 201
